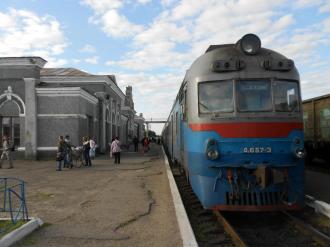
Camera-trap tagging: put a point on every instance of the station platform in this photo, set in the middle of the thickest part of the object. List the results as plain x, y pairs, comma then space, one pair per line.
129, 204
317, 185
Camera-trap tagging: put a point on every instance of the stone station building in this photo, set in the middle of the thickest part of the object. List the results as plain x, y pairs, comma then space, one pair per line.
38, 104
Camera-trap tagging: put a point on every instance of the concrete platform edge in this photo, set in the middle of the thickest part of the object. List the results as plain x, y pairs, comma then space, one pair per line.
319, 206
21, 232
187, 234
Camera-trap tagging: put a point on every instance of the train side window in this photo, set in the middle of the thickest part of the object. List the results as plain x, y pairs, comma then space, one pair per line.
176, 122
184, 106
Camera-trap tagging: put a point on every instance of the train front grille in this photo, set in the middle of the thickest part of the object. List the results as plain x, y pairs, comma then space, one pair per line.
254, 198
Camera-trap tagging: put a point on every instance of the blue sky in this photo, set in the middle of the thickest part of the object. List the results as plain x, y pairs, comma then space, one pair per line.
149, 44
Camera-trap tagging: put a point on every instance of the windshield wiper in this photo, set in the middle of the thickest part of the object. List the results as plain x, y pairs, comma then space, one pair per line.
208, 109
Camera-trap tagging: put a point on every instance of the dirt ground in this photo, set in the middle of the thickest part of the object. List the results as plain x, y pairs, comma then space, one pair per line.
105, 205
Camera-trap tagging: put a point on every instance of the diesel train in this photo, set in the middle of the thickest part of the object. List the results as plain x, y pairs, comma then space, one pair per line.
236, 129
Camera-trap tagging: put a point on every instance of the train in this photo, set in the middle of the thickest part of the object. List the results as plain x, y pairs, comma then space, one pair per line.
317, 129
236, 129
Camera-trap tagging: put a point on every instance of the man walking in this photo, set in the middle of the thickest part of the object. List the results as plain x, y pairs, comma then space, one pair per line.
6, 153
136, 144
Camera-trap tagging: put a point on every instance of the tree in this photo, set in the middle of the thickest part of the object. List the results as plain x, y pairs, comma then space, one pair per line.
151, 133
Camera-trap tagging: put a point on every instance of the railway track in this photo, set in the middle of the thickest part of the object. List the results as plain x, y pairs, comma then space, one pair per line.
207, 229
229, 229
270, 229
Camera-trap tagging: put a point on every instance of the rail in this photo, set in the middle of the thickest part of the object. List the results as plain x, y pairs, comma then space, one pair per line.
269, 230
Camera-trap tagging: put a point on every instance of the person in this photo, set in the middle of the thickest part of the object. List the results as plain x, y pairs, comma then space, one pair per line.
86, 148
6, 153
68, 152
60, 153
92, 144
145, 143
136, 144
115, 150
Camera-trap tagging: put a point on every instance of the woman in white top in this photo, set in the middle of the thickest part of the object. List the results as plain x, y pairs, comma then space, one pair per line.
115, 150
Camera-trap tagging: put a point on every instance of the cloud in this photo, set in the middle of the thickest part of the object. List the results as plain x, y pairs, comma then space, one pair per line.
143, 1
23, 33
306, 3
88, 49
117, 25
326, 25
325, 7
75, 60
195, 25
149, 88
92, 60
55, 63
107, 15
102, 6
184, 30
315, 83
167, 3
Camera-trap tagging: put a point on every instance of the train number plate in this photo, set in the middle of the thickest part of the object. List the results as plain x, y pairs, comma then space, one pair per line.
257, 150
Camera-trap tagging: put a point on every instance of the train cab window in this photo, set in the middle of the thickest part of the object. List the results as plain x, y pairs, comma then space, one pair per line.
286, 96
254, 95
215, 97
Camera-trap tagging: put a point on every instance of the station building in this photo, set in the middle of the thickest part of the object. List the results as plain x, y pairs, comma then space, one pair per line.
38, 104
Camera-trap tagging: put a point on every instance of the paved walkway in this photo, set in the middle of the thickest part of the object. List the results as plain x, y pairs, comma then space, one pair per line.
106, 205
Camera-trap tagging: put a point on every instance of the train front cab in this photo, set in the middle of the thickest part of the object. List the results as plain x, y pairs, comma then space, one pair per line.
243, 140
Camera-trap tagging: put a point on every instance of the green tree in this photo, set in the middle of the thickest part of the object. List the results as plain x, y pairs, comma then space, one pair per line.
151, 133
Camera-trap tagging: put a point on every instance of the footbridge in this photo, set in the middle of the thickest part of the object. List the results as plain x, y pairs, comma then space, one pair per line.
154, 120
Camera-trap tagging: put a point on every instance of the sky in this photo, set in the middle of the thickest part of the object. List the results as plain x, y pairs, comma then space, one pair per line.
150, 44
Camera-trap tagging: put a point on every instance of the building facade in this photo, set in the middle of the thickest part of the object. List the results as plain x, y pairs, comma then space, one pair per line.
39, 104
133, 125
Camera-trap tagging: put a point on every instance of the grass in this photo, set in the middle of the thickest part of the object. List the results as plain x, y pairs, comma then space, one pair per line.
8, 226
30, 240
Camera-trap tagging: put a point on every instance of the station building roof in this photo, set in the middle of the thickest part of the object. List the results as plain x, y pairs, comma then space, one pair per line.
63, 72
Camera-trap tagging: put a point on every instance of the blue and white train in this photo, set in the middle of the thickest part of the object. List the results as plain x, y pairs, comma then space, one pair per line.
236, 129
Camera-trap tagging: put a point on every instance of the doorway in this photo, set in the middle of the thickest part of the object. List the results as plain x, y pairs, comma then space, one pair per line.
10, 126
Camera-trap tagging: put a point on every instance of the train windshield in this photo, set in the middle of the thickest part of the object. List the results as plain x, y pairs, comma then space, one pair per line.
216, 97
286, 96
254, 95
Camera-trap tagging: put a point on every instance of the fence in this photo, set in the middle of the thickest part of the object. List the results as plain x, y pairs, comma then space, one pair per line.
12, 200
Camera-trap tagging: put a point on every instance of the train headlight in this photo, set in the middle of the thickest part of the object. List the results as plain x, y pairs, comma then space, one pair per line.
211, 149
213, 154
250, 44
300, 153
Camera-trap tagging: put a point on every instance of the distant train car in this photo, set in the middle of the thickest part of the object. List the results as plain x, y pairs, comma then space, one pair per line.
317, 128
236, 129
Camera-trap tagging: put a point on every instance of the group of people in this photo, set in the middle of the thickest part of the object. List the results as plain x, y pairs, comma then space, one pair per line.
7, 148
145, 144
65, 148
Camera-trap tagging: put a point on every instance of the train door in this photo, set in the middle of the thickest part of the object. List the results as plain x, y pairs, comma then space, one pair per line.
182, 123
